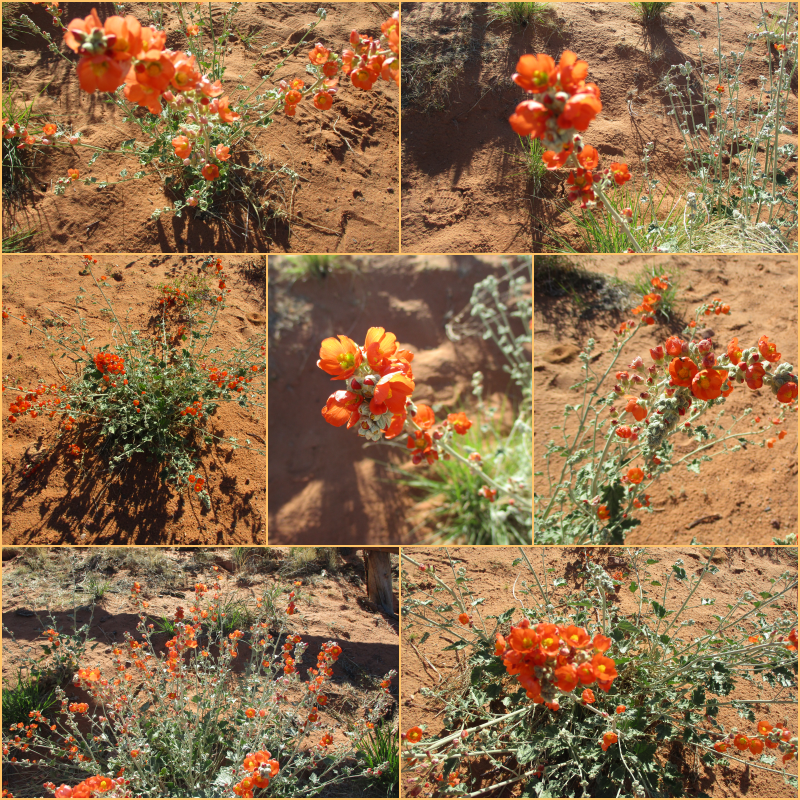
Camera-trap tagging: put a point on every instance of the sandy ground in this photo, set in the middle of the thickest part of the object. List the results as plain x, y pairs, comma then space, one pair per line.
52, 505
463, 187
346, 197
740, 569
740, 498
335, 607
324, 485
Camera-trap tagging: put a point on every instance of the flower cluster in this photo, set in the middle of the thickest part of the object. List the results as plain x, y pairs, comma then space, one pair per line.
563, 108
122, 51
91, 787
684, 373
379, 383
121, 389
369, 60
546, 657
261, 767
773, 737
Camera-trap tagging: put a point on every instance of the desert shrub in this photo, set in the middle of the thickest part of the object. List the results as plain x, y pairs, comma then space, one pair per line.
217, 713
147, 392
565, 695
619, 439
742, 190
190, 133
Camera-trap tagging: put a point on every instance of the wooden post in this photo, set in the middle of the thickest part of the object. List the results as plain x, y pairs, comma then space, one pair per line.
378, 568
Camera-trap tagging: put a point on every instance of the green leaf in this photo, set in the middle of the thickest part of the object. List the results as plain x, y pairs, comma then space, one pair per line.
460, 645
633, 587
659, 610
679, 571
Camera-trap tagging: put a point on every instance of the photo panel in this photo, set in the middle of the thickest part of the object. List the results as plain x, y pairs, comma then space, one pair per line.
229, 127
134, 399
200, 672
666, 399
599, 127
399, 406
599, 672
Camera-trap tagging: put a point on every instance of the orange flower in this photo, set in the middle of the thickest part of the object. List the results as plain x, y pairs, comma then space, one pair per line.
581, 109
604, 668
101, 73
124, 37
633, 407
720, 747
603, 512
225, 114
771, 442
342, 408
319, 55
768, 350
187, 76
741, 742
571, 72
49, 129
379, 347
155, 69
601, 643
577, 638
787, 393
463, 619
619, 172
222, 152
210, 172
391, 393
764, 727
535, 73
707, 384
183, 147
609, 738
79, 30
635, 475
674, 346
620, 709
588, 158
523, 639
323, 101
142, 94
734, 351
530, 119
250, 713
587, 695
425, 417
566, 677
74, 174
339, 358
550, 642
459, 422
682, 371
414, 734
553, 160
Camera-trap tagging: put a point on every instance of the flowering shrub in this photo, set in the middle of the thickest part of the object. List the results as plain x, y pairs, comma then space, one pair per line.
150, 392
219, 712
755, 195
196, 136
599, 476
377, 402
525, 714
